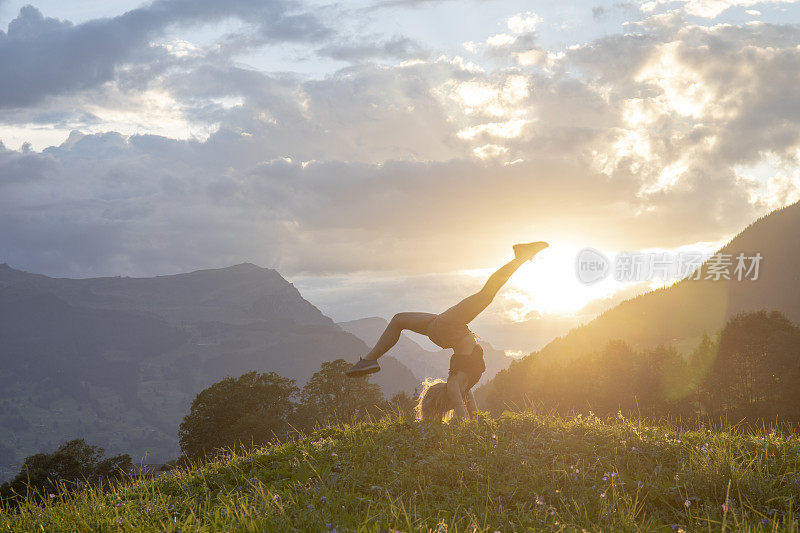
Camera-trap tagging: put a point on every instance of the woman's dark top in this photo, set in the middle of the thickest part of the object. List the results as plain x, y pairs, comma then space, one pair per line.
470, 363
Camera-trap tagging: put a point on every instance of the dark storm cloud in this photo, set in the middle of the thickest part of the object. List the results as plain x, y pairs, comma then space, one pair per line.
42, 56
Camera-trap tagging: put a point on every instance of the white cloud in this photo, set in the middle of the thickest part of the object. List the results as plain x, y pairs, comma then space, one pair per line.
523, 22
710, 8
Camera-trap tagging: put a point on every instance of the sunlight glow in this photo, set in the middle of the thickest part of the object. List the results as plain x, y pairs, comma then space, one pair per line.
668, 177
683, 90
771, 181
549, 284
506, 130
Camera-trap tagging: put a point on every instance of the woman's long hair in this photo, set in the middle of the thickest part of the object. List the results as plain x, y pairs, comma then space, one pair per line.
433, 402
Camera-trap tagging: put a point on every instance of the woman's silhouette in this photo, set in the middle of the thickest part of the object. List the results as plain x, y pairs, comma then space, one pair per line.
449, 330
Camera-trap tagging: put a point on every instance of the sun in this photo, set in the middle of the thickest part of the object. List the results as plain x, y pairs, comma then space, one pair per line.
548, 285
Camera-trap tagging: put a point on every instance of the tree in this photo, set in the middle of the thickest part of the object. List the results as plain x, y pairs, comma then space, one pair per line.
329, 396
250, 410
71, 465
756, 365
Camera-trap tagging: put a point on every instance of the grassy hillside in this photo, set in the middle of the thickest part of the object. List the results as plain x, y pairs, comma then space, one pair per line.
518, 472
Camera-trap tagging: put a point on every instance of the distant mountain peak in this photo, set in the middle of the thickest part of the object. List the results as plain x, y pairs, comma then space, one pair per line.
245, 266
241, 268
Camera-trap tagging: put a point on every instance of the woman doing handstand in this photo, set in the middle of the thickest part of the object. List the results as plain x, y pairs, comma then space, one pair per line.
449, 330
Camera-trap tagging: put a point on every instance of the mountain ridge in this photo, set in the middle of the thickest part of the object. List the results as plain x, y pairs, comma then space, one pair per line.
118, 360
680, 314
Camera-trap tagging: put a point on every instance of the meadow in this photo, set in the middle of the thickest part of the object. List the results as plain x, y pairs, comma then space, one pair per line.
518, 472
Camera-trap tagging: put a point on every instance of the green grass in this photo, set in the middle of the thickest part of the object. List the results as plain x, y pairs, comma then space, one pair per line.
518, 472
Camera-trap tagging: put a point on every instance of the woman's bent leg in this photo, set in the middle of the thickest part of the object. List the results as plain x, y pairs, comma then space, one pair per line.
416, 322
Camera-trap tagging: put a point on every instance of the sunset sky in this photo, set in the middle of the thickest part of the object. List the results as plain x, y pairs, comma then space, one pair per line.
384, 155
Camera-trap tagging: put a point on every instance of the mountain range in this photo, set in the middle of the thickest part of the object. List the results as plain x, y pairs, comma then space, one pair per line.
118, 360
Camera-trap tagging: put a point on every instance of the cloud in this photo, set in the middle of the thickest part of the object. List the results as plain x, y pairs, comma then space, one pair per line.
628, 141
395, 48
708, 8
599, 12
405, 3
44, 56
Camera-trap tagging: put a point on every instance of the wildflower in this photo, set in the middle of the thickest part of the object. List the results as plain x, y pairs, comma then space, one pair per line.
639, 485
276, 498
602, 494
687, 503
764, 521
323, 499
725, 507
119, 504
119, 520
253, 480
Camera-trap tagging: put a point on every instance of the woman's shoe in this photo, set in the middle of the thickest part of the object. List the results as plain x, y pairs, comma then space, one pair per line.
362, 368
527, 251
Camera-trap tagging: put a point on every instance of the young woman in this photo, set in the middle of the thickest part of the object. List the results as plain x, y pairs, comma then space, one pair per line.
449, 330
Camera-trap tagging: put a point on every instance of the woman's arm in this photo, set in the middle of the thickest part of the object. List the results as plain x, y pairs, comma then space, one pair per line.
455, 396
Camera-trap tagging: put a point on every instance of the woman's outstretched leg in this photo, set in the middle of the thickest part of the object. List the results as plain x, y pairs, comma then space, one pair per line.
416, 322
467, 309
